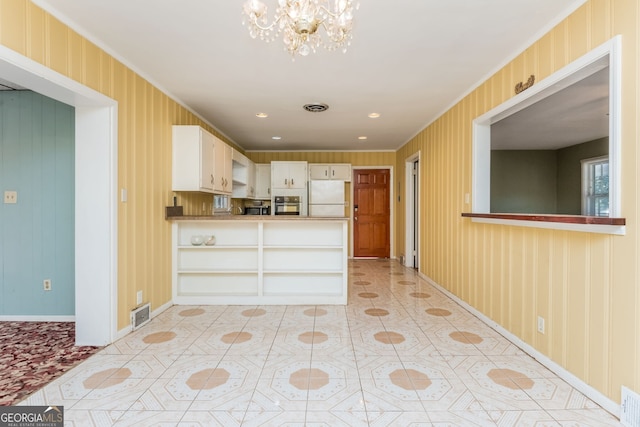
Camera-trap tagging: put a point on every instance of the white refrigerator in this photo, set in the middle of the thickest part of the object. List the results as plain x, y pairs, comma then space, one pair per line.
326, 198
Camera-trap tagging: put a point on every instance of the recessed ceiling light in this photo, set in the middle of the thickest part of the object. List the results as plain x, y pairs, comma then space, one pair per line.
276, 137
374, 115
362, 138
262, 115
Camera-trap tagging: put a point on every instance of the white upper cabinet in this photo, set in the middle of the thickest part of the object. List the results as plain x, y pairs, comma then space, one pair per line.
244, 177
335, 171
263, 181
193, 159
290, 175
223, 171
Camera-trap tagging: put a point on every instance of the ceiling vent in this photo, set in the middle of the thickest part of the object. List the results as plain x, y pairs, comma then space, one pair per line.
316, 107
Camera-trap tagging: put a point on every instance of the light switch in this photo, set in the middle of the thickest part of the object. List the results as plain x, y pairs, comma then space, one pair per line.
11, 197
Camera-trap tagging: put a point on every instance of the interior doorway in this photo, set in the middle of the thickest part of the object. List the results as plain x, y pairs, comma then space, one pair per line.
412, 211
371, 213
95, 192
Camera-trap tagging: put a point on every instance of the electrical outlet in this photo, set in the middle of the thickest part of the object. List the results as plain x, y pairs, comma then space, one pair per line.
139, 298
46, 284
11, 197
541, 324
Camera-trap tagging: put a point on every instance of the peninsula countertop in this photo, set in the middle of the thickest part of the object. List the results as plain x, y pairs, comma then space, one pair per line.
254, 218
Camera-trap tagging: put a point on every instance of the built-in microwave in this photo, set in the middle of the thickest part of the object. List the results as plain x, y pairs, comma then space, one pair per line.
287, 205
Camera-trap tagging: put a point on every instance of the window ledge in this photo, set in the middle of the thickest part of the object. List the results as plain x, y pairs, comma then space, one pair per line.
591, 224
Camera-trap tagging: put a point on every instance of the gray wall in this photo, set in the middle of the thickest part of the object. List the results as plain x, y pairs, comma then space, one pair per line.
523, 181
37, 159
541, 181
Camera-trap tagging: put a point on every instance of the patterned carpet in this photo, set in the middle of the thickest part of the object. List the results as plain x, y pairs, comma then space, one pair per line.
33, 354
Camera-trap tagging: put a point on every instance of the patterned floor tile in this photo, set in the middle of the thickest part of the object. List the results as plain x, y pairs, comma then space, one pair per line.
400, 353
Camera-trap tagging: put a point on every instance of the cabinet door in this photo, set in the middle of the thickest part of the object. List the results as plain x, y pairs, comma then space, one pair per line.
251, 180
298, 175
223, 173
227, 175
341, 172
318, 172
206, 161
279, 175
263, 181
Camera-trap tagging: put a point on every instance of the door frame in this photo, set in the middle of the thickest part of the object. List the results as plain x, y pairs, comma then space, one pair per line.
391, 212
411, 203
96, 201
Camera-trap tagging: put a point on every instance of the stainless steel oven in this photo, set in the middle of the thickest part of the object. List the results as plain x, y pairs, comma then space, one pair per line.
287, 205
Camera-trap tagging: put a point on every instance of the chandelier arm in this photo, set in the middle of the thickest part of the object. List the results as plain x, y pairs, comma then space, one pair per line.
333, 15
254, 21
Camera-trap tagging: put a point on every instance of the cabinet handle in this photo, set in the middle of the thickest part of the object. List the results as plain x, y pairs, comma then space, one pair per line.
325, 172
292, 181
212, 179
269, 190
285, 181
333, 173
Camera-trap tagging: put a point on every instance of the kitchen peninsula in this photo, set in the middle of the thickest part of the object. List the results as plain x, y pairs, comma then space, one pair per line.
256, 260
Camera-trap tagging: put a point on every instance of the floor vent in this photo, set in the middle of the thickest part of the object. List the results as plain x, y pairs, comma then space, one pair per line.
140, 316
630, 408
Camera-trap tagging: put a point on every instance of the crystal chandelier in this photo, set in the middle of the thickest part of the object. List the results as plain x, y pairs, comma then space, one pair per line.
299, 21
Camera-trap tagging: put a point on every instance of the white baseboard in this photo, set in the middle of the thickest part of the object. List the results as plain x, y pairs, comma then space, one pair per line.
161, 309
22, 318
584, 388
127, 329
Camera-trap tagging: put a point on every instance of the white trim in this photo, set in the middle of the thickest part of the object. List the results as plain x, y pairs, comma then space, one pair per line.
409, 203
27, 318
619, 230
575, 71
392, 254
584, 388
96, 194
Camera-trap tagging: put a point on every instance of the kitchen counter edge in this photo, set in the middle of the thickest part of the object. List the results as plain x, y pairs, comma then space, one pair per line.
254, 218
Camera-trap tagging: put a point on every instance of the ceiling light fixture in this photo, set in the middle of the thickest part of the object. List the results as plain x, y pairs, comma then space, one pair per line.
277, 138
362, 138
374, 115
300, 20
262, 115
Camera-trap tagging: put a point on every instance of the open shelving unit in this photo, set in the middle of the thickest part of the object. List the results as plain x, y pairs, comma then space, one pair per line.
261, 261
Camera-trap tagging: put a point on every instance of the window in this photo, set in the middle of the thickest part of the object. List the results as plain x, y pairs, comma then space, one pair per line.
595, 186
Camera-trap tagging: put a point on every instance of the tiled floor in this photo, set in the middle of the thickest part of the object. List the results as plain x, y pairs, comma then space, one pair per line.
401, 353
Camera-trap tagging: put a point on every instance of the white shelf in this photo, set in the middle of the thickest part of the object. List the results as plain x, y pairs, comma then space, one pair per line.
216, 247
260, 262
217, 271
302, 247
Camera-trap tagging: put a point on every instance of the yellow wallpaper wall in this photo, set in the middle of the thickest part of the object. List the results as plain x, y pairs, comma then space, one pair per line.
585, 285
356, 158
145, 116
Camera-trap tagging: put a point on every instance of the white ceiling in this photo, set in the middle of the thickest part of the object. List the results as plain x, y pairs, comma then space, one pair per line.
410, 60
575, 114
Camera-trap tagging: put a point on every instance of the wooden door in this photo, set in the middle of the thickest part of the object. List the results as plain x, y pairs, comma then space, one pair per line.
371, 214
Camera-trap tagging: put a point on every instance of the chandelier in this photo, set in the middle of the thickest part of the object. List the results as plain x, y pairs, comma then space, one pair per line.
299, 22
